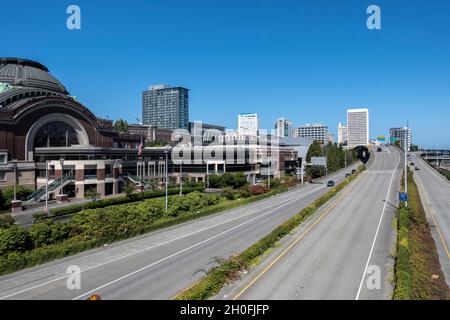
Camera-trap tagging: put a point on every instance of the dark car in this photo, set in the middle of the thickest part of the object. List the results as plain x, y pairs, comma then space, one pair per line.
330, 183
379, 150
417, 168
412, 163
353, 171
347, 175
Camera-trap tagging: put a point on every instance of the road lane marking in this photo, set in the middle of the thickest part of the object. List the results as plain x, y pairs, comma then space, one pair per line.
378, 229
184, 250
282, 203
267, 268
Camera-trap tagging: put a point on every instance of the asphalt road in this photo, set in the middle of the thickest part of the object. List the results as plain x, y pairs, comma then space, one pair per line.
340, 249
435, 195
160, 264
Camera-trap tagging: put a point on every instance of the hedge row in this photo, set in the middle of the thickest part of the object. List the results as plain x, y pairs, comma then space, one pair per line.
94, 227
70, 209
227, 271
418, 273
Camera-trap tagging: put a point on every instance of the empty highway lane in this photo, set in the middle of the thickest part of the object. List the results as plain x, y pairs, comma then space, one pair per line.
160, 264
342, 252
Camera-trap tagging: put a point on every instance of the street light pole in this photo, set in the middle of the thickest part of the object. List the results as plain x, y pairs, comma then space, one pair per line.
167, 180
268, 169
406, 162
181, 178
46, 186
15, 178
61, 160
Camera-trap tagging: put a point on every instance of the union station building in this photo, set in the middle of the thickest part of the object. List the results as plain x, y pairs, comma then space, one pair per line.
48, 135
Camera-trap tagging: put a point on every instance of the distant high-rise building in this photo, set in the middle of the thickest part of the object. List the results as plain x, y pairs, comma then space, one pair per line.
357, 127
283, 128
342, 134
248, 124
330, 137
166, 107
316, 131
398, 134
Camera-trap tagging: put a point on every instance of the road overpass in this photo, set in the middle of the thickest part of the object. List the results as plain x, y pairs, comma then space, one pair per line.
334, 254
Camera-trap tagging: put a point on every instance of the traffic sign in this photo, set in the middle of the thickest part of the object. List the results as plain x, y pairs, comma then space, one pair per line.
403, 196
318, 161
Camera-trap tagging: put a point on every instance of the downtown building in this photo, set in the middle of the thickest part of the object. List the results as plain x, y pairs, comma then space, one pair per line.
398, 134
342, 134
166, 107
248, 124
357, 127
52, 143
316, 131
283, 128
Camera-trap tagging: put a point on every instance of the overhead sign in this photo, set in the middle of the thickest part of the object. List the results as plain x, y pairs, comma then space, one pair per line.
394, 139
403, 196
318, 161
381, 138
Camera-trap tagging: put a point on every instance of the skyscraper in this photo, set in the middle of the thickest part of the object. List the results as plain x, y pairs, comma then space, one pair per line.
357, 127
398, 134
166, 107
248, 124
316, 131
342, 134
283, 128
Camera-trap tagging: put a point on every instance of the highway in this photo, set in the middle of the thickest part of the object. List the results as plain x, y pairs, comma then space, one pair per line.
344, 246
160, 264
435, 194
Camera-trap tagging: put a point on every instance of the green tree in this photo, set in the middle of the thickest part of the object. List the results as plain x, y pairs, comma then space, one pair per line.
14, 238
92, 194
315, 150
121, 126
129, 189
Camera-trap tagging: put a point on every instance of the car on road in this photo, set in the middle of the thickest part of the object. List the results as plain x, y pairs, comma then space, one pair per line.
353, 171
379, 149
348, 175
412, 163
417, 168
330, 183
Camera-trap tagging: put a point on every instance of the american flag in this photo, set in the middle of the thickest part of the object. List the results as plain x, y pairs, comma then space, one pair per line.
141, 147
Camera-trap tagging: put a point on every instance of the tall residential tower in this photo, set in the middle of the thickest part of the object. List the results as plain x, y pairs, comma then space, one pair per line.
166, 107
357, 127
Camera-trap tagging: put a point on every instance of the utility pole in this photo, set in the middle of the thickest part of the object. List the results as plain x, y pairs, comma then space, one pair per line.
268, 181
406, 161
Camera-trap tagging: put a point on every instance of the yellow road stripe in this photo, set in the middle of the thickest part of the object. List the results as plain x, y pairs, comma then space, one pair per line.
294, 243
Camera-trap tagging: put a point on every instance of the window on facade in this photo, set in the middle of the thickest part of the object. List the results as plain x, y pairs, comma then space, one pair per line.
55, 134
3, 157
2, 175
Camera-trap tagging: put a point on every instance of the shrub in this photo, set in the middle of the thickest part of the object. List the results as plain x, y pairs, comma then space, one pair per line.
258, 189
6, 221
14, 238
245, 192
229, 193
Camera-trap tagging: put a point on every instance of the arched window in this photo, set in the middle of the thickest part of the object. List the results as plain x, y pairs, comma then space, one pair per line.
55, 134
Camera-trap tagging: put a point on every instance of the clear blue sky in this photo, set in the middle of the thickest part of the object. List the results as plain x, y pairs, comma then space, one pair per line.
304, 60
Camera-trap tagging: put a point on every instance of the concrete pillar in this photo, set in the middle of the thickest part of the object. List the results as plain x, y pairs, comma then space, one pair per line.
16, 206
101, 188
79, 190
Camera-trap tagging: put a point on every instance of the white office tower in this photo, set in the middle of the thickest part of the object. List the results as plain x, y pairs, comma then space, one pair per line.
248, 124
357, 127
342, 134
283, 128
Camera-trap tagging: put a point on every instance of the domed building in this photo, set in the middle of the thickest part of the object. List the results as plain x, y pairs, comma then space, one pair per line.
40, 122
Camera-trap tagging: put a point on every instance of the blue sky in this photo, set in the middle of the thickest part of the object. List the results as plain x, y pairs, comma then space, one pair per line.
304, 60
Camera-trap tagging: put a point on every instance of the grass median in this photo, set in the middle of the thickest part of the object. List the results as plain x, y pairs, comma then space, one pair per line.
418, 274
228, 270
